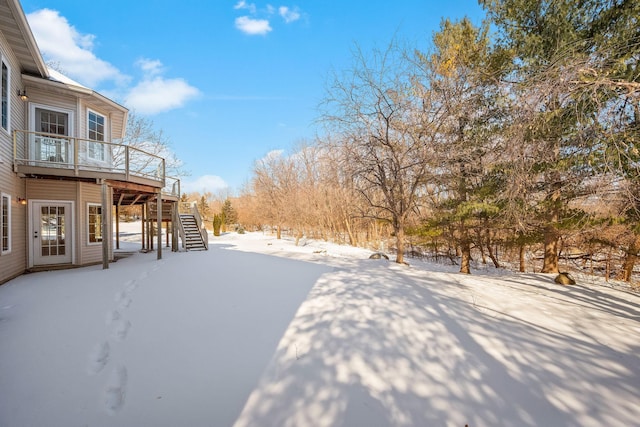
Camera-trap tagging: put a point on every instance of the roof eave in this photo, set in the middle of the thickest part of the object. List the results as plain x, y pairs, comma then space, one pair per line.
25, 29
79, 90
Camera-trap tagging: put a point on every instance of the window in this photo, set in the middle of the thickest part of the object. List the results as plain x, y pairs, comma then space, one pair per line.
53, 122
48, 147
95, 223
5, 221
96, 127
4, 95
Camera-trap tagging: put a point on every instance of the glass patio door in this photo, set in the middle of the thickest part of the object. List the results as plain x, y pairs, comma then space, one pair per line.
51, 233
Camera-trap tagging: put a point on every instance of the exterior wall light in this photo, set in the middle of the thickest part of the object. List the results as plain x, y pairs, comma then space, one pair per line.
22, 93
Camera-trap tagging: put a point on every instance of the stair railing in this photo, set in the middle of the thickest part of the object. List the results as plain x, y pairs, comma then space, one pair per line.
181, 232
201, 227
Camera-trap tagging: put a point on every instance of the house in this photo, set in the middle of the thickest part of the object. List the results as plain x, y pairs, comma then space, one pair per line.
63, 172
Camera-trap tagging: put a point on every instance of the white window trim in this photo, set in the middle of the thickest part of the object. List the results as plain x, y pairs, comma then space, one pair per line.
2, 197
89, 242
6, 63
32, 116
105, 156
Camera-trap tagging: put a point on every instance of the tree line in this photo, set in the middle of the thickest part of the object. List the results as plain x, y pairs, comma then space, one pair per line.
512, 141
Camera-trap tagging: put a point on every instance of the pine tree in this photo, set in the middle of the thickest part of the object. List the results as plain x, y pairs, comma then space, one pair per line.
229, 214
203, 208
572, 61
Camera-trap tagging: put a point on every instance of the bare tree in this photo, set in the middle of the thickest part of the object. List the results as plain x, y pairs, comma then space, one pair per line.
383, 135
142, 136
274, 178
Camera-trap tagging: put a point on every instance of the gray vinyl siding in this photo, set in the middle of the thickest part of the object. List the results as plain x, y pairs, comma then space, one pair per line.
91, 253
81, 193
53, 101
14, 263
56, 190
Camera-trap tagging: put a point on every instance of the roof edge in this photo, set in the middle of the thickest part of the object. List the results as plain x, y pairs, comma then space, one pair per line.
77, 89
25, 29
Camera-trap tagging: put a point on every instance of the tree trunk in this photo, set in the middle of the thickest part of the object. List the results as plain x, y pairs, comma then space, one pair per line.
493, 258
465, 260
551, 238
630, 260
482, 254
465, 250
352, 239
522, 259
399, 231
490, 249
278, 232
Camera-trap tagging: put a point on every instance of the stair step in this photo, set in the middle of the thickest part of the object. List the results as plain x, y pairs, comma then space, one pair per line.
192, 239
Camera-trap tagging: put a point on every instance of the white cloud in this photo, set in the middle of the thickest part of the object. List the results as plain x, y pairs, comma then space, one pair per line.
202, 184
62, 44
157, 94
253, 26
244, 5
288, 15
151, 66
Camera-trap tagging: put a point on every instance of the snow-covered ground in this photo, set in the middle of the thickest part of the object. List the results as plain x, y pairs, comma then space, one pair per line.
258, 332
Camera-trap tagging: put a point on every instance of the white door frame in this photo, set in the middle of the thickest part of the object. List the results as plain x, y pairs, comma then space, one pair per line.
33, 227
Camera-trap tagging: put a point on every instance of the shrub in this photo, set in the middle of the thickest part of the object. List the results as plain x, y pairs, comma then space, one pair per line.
217, 223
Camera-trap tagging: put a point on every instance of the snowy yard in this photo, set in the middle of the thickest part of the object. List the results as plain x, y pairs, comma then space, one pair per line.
258, 332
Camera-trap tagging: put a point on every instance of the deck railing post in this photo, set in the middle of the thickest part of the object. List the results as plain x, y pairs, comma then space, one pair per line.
76, 155
159, 221
126, 162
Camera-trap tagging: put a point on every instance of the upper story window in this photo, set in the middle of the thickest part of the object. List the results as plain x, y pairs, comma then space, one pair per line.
96, 130
48, 147
4, 95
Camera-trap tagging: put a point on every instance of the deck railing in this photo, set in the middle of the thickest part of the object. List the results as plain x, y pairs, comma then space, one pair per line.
171, 186
65, 153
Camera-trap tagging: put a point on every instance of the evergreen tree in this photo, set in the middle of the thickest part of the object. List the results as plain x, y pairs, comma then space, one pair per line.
217, 224
570, 59
463, 78
203, 208
229, 214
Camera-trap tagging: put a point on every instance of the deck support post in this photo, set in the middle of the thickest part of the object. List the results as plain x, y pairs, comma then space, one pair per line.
104, 218
143, 214
175, 216
117, 226
159, 221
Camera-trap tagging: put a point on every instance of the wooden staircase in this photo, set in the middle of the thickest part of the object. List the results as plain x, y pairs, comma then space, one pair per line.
192, 238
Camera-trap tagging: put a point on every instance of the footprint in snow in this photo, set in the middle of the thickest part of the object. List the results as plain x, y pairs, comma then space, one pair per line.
120, 296
112, 316
130, 286
124, 303
123, 300
121, 330
98, 358
114, 392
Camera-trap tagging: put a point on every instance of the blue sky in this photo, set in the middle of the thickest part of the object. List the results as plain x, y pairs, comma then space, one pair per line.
226, 81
